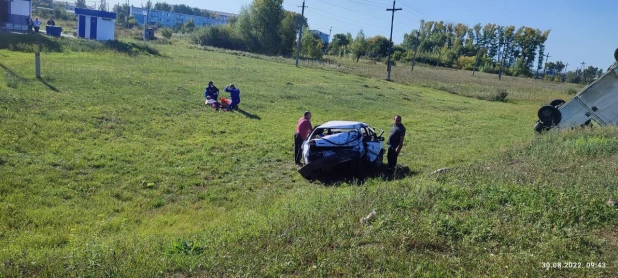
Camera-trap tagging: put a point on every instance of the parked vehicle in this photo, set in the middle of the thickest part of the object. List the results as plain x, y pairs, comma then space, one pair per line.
339, 146
597, 102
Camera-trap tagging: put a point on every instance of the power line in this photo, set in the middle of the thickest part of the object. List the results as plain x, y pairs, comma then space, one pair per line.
314, 9
374, 5
412, 8
407, 17
350, 10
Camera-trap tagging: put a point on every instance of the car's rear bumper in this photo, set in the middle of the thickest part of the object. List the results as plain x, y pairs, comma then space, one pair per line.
313, 168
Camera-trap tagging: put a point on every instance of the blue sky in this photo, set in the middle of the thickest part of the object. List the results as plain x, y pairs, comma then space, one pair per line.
581, 30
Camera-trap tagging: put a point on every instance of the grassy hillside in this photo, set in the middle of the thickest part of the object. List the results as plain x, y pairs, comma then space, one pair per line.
111, 165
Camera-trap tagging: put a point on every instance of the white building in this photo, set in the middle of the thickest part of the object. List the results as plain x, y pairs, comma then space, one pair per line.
96, 25
13, 14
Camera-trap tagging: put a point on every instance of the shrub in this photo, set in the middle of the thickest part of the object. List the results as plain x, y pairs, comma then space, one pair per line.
217, 36
500, 95
166, 33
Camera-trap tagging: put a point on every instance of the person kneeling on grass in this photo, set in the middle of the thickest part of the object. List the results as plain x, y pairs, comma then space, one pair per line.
234, 95
215, 104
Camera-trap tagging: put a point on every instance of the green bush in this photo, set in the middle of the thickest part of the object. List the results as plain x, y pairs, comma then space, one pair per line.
166, 33
501, 95
217, 36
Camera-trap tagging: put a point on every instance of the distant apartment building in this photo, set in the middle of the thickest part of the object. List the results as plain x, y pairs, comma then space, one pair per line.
323, 36
170, 19
70, 6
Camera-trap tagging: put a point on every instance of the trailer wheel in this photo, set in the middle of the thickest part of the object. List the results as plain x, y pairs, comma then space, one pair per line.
557, 102
549, 115
616, 54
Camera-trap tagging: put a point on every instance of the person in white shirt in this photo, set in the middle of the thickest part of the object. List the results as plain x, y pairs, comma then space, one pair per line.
37, 25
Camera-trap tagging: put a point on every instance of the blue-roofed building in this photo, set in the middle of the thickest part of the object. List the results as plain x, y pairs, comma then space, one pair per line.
96, 25
323, 36
170, 19
13, 14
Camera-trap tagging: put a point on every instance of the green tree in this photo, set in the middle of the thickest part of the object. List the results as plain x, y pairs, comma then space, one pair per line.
311, 45
182, 9
243, 29
163, 6
80, 3
122, 13
103, 5
359, 46
288, 29
266, 22
378, 47
189, 26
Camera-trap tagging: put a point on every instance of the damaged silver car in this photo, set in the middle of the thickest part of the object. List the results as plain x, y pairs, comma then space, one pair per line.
338, 147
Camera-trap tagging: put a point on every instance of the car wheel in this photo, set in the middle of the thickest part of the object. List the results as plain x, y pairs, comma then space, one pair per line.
549, 115
557, 102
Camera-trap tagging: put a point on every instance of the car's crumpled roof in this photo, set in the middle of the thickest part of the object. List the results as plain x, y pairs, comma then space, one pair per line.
342, 124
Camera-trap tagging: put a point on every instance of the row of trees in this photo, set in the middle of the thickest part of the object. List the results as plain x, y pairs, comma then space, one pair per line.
484, 47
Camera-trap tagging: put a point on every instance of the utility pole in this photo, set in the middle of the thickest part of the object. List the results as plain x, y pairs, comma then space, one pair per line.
300, 33
330, 30
545, 66
506, 46
128, 14
418, 37
328, 44
582, 73
390, 46
37, 60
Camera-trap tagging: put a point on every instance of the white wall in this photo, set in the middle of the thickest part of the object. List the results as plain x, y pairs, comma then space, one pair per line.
105, 29
19, 7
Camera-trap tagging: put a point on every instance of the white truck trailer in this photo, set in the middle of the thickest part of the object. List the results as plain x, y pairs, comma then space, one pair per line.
597, 102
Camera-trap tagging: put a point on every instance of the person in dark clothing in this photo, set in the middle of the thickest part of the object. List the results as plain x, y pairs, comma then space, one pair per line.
211, 91
234, 95
395, 142
51, 22
303, 129
30, 24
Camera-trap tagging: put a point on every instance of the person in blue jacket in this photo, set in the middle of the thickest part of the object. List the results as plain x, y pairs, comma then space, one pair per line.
211, 91
234, 95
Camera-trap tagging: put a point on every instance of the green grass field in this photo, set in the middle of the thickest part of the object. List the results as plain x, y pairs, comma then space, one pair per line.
111, 165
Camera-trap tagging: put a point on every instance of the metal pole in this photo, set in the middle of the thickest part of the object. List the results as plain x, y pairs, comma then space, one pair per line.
37, 60
390, 46
300, 33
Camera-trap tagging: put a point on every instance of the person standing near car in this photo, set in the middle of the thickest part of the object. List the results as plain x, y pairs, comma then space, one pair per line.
395, 142
303, 129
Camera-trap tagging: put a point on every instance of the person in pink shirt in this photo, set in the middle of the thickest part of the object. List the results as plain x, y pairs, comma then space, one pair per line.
303, 129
